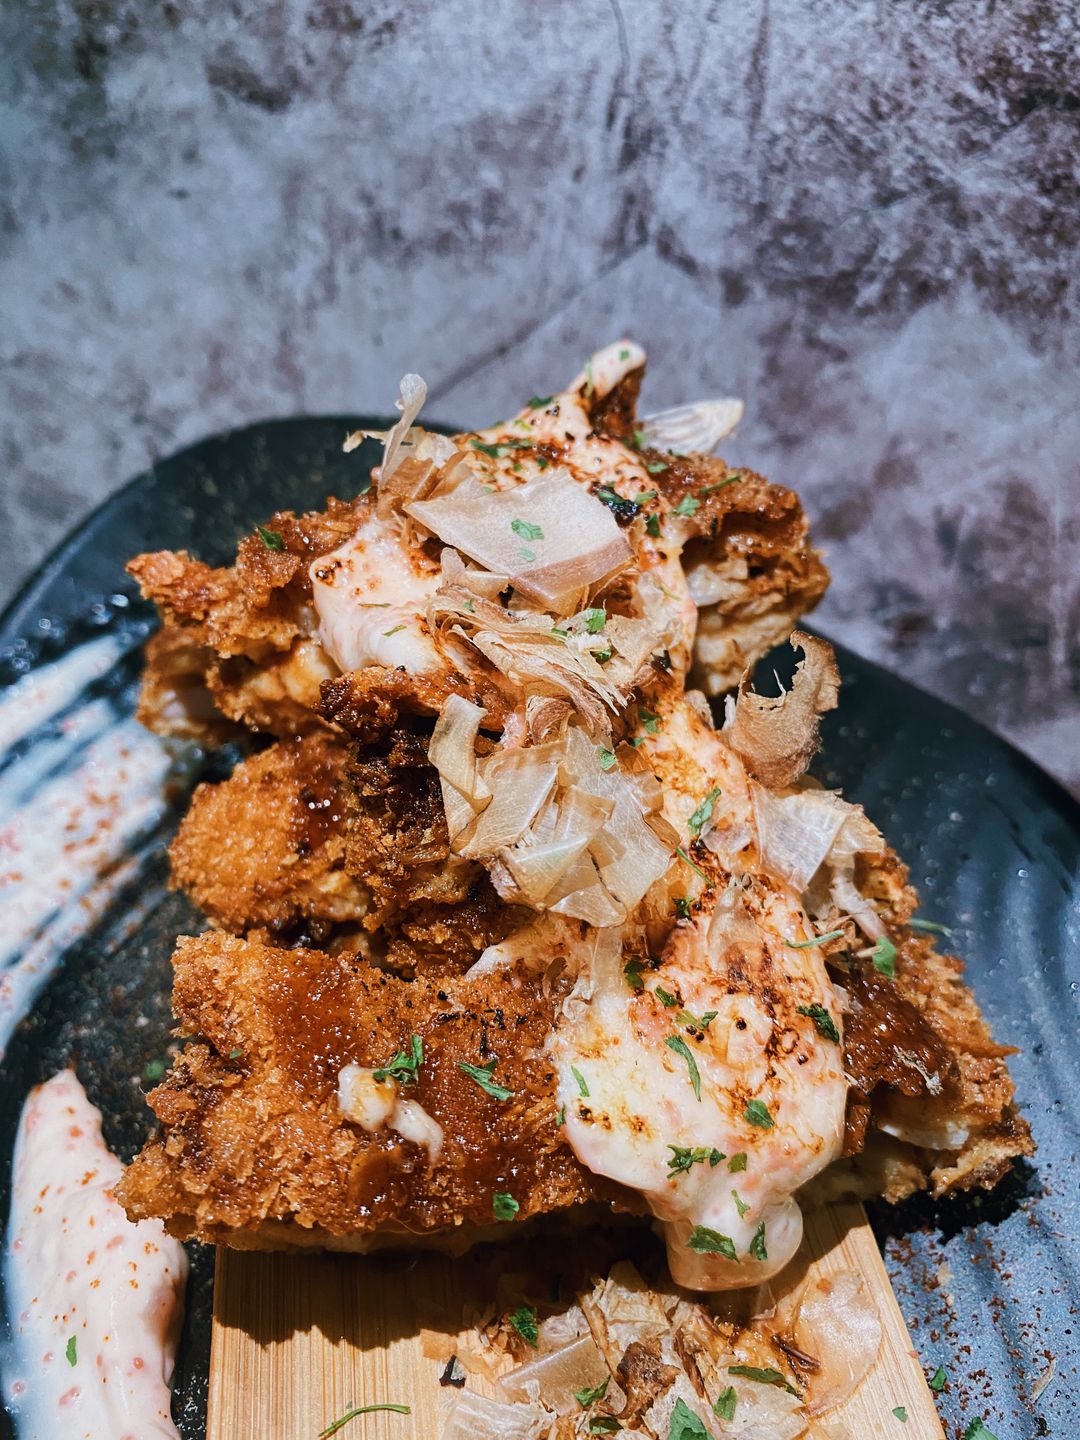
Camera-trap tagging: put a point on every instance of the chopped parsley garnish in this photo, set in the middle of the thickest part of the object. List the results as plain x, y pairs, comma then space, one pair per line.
938, 1380
930, 926
978, 1431
482, 1074
647, 495
720, 484
619, 506
649, 720
539, 402
394, 631
524, 1322
687, 506
652, 527
638, 440
692, 1022
337, 1425
235, 1054
560, 1117
737, 1162
595, 620
724, 1409
883, 958
696, 868
504, 1206
589, 387
740, 1203
497, 452
766, 1376
703, 813
526, 529
604, 1425
270, 538
72, 1350
679, 1045
155, 1070
814, 940
758, 1114
403, 1067
665, 997
607, 758
585, 1398
683, 1157
704, 1241
527, 554
454, 1374
624, 354
682, 907
757, 1244
582, 1086
900, 1413
632, 975
656, 468
824, 1024
602, 656
685, 1425
562, 634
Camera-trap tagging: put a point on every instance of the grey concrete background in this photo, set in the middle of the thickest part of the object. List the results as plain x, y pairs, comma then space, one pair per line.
860, 215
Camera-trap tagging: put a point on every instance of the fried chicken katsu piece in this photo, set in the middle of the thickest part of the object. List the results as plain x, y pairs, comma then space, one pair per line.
254, 1149
243, 645
265, 848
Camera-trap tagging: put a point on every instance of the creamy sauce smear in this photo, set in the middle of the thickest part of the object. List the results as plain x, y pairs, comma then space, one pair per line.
95, 1301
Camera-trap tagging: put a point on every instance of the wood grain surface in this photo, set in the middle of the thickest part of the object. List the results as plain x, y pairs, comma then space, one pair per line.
300, 1339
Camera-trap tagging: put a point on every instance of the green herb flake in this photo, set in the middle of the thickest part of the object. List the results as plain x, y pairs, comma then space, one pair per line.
72, 1350
694, 1022
720, 484
619, 505
595, 620
681, 853
365, 486
394, 631
403, 1067
665, 997
931, 927
582, 1086
724, 1409
978, 1431
703, 813
737, 1162
607, 758
155, 1071
766, 1376
704, 1241
351, 1414
883, 958
685, 1425
529, 555
602, 656
632, 975
740, 1204
585, 1398
482, 1074
682, 907
560, 1117
541, 463
650, 721
524, 1322
561, 634
540, 402
648, 494
824, 1024
504, 1206
679, 1045
687, 506
526, 529
235, 1054
758, 1114
656, 468
814, 940
652, 527
900, 1413
638, 440
270, 538
683, 1158
604, 1425
757, 1244
938, 1380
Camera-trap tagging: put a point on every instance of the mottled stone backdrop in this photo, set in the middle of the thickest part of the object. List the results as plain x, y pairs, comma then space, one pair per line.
862, 216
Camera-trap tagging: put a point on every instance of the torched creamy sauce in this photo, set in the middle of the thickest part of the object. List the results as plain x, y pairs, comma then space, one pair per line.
95, 1302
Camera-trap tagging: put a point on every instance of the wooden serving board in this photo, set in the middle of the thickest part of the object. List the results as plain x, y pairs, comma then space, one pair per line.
299, 1339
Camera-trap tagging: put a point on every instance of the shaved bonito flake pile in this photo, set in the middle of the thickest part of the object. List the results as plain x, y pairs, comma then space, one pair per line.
648, 1361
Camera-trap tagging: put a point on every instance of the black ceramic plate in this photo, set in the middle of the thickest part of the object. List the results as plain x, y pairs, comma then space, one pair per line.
990, 1287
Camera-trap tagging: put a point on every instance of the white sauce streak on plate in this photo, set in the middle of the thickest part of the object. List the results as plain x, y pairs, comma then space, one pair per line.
78, 1270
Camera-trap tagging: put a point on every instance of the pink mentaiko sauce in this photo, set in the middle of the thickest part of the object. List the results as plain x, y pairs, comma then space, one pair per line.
77, 1267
